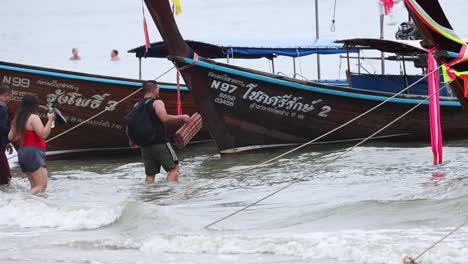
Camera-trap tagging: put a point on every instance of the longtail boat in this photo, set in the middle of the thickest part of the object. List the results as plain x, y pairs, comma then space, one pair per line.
80, 96
405, 51
235, 49
246, 109
438, 33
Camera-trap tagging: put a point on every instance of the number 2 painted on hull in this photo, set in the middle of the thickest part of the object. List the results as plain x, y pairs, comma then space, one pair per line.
325, 110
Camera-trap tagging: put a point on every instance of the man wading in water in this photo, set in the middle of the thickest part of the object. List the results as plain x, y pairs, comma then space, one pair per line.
146, 128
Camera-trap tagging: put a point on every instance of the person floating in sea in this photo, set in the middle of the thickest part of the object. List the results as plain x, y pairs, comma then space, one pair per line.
29, 133
5, 97
75, 56
115, 55
147, 128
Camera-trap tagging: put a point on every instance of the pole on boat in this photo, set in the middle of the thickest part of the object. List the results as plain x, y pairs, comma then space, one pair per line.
317, 35
359, 61
232, 54
405, 75
347, 60
382, 37
273, 64
294, 67
139, 68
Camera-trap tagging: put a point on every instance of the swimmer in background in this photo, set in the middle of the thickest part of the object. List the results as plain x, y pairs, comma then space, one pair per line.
115, 55
75, 56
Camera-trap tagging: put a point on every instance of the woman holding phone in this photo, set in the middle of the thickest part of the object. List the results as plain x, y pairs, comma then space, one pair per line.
28, 131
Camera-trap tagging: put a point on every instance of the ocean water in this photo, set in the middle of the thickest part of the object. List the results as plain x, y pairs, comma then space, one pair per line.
375, 205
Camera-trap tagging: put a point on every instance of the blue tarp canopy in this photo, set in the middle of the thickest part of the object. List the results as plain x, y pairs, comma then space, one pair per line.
248, 49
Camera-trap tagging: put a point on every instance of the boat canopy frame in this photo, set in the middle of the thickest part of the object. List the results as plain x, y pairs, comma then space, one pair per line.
270, 49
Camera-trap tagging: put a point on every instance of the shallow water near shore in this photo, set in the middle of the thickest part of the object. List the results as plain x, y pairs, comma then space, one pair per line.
374, 205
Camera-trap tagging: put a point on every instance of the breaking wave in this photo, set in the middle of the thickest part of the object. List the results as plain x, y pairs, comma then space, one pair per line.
24, 210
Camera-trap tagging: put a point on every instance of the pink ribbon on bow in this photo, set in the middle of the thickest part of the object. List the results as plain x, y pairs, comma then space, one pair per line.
434, 108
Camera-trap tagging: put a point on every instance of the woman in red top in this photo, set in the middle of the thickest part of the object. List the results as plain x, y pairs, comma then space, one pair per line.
29, 133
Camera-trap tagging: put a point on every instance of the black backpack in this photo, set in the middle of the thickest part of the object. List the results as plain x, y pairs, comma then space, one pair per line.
141, 127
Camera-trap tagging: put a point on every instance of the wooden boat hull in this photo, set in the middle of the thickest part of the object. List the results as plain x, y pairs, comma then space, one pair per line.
246, 109
80, 96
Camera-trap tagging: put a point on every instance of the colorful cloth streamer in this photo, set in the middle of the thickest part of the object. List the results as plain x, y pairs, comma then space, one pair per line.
188, 131
387, 6
179, 101
434, 108
426, 19
465, 84
145, 29
177, 7
179, 70
450, 74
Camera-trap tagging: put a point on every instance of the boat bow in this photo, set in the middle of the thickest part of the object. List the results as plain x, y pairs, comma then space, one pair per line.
161, 13
438, 33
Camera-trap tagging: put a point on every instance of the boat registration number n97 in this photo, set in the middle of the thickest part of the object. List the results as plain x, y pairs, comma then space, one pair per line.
223, 87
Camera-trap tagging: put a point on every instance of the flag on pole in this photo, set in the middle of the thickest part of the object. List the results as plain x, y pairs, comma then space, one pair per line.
387, 6
145, 29
177, 7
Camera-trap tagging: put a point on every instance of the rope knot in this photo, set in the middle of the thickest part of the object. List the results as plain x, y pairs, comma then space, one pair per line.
194, 62
450, 74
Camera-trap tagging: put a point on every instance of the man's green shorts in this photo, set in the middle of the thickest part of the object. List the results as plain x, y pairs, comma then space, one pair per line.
157, 155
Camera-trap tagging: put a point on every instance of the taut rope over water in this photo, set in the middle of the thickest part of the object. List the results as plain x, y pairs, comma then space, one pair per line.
413, 261
333, 27
327, 163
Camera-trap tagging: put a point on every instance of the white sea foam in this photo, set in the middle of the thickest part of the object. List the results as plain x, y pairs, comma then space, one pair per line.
386, 246
26, 211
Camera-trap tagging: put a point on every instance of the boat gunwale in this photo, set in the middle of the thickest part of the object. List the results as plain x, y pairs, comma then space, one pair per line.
312, 86
82, 76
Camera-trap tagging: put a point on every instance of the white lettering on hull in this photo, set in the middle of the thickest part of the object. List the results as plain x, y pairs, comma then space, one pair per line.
283, 105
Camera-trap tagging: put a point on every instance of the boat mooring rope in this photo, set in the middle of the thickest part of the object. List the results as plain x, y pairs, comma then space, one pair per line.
409, 260
100, 113
327, 163
332, 26
307, 143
